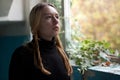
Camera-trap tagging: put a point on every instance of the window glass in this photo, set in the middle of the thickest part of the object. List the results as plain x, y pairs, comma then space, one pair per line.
97, 20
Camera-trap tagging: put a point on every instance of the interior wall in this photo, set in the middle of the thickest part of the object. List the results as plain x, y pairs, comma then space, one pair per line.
14, 30
4, 7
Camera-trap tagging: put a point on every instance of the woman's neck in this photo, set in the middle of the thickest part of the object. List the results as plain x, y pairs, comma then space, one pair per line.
46, 38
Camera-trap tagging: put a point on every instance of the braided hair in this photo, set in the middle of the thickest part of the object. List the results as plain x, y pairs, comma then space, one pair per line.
34, 17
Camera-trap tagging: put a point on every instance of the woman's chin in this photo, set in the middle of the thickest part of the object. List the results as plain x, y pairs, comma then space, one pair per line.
56, 33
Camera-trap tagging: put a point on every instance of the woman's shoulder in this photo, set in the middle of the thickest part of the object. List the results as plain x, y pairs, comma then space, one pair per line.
22, 55
25, 49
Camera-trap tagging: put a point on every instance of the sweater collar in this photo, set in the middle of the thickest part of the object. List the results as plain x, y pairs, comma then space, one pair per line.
46, 44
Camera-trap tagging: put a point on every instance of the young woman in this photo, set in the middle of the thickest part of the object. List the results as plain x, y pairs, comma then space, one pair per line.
43, 58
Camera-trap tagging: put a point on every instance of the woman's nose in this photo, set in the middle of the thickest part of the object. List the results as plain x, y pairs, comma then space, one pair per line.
55, 20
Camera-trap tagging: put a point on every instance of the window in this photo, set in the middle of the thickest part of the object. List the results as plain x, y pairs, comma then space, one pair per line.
97, 20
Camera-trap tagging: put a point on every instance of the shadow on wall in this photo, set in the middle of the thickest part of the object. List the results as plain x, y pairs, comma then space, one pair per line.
5, 7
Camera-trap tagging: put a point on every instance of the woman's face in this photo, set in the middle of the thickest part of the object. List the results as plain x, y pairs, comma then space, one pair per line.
49, 23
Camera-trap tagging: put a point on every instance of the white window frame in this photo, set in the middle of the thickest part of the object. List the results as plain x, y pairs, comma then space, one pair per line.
67, 27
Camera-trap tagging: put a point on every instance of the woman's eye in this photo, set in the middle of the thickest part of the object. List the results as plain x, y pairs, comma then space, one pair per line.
57, 17
51, 17
48, 17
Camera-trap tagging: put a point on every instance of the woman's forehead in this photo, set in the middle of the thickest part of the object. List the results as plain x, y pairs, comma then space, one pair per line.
49, 10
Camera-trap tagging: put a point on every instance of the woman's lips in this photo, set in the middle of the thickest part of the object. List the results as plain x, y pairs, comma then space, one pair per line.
56, 28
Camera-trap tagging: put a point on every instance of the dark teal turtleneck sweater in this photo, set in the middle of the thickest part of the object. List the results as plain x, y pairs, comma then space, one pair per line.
22, 63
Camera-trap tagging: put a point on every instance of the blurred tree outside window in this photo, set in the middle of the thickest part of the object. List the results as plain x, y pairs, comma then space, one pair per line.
97, 20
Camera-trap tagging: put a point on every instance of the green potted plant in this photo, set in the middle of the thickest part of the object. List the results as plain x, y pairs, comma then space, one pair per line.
86, 53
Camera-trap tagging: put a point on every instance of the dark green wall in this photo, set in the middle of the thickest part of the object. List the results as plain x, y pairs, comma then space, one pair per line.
12, 35
7, 46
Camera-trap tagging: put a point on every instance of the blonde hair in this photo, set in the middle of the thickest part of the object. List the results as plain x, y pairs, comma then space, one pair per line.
34, 17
